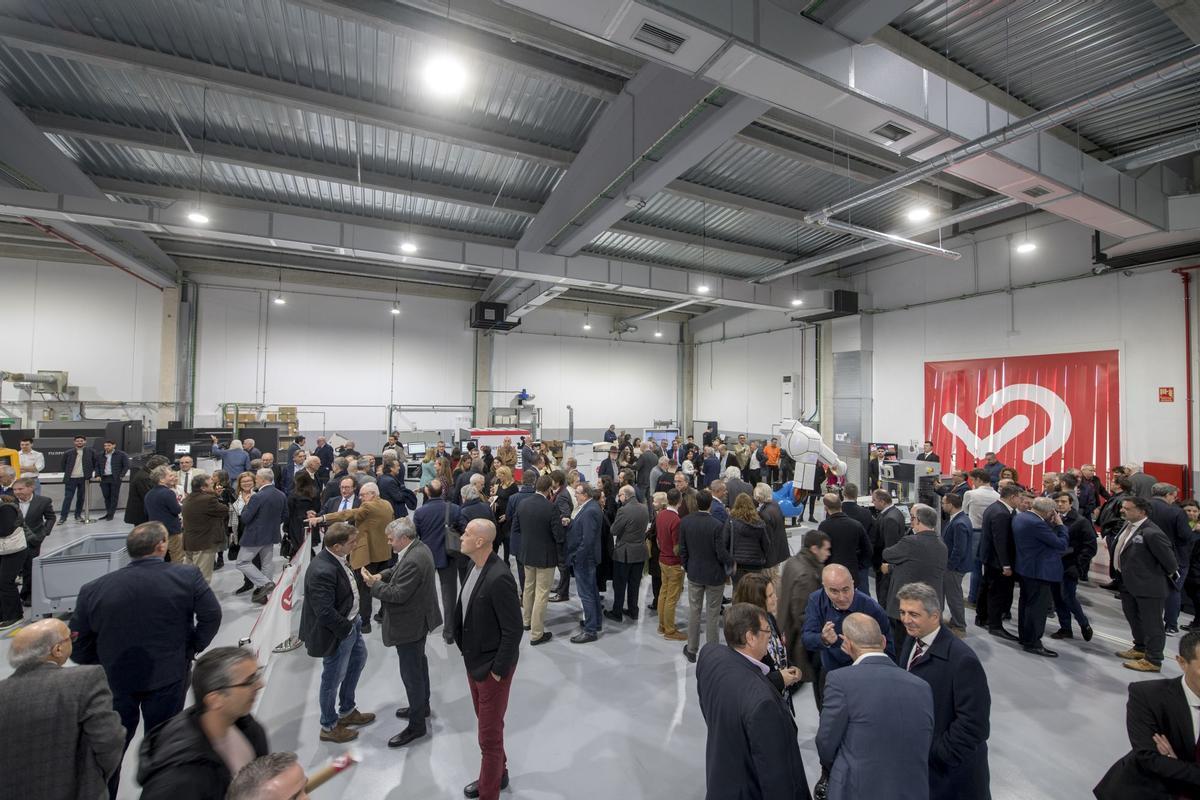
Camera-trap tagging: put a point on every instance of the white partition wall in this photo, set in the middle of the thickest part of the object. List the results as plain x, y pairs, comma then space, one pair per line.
99, 324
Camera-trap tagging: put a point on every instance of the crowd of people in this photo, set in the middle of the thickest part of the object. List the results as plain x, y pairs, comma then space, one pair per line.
480, 554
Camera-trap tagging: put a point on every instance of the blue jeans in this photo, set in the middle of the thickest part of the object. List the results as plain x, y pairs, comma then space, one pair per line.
1175, 599
976, 567
339, 676
589, 595
73, 489
1066, 604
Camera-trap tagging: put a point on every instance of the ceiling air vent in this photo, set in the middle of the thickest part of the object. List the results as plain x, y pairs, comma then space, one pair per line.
659, 38
1036, 191
891, 132
320, 248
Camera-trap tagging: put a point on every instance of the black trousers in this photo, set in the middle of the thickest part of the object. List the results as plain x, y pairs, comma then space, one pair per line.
882, 584
655, 573
1032, 608
111, 489
10, 599
627, 580
1145, 618
449, 579
995, 597
152, 707
27, 571
364, 594
414, 672
563, 587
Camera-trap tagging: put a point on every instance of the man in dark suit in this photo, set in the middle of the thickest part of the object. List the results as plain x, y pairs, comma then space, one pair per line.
38, 513
876, 722
146, 653
297, 444
345, 499
330, 626
324, 451
1145, 560
848, 539
583, 557
1040, 539
542, 535
262, 519
920, 557
962, 703
112, 466
734, 486
1143, 484
706, 562
432, 519
487, 629
79, 467
65, 740
1173, 521
998, 555
927, 453
339, 471
562, 498
610, 467
1161, 722
956, 535
646, 462
889, 528
408, 595
751, 751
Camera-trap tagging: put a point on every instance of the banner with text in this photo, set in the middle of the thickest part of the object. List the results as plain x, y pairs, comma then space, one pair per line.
1037, 413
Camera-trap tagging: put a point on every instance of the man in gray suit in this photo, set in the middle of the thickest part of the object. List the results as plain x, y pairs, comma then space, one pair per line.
876, 722
734, 485
410, 611
64, 739
918, 558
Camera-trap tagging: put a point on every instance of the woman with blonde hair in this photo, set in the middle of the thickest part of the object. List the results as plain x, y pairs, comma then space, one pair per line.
428, 467
504, 488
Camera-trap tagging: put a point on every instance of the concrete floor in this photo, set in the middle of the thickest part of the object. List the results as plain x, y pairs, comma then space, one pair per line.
620, 717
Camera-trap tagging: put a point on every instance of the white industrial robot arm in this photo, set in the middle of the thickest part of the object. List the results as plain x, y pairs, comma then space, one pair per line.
806, 448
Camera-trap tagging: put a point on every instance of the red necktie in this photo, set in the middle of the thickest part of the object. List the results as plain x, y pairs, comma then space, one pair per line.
918, 653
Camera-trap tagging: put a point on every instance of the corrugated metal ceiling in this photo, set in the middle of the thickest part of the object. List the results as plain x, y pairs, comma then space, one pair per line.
1043, 52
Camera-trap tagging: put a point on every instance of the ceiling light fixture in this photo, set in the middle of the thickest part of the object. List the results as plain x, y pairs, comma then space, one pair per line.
703, 288
797, 302
279, 301
197, 216
919, 214
445, 75
1026, 247
408, 247
395, 309
587, 319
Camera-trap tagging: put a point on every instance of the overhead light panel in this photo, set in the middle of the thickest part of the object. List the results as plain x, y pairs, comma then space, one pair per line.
919, 214
703, 288
395, 309
445, 75
408, 247
797, 302
197, 216
1026, 247
279, 301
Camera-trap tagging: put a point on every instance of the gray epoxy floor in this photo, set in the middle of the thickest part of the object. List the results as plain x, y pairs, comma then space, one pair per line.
619, 718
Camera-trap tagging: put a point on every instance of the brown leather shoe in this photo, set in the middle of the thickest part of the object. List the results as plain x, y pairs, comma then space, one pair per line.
339, 734
1132, 654
1142, 665
356, 718
675, 636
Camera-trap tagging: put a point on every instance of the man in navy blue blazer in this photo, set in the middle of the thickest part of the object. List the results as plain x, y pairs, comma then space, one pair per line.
962, 702
111, 467
956, 535
144, 624
583, 557
1040, 539
262, 519
876, 724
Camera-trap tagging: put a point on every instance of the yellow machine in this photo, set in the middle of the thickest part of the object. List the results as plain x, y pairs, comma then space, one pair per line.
10, 458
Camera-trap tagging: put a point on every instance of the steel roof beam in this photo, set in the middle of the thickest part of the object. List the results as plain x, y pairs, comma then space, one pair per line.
89, 49
695, 240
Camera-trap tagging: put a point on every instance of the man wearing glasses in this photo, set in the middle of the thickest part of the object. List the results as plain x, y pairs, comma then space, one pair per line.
197, 752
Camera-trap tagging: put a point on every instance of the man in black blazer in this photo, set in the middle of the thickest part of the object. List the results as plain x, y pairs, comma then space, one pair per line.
38, 513
146, 654
542, 535
848, 538
999, 556
1145, 559
610, 466
962, 702
927, 453
111, 467
487, 628
344, 498
1160, 719
79, 467
1173, 521
330, 626
889, 527
751, 751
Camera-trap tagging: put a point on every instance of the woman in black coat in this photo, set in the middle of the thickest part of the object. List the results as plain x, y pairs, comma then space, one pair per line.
506, 487
140, 482
303, 498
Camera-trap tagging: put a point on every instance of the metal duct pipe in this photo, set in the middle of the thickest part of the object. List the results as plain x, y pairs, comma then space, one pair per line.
890, 238
1157, 152
1057, 114
658, 311
968, 212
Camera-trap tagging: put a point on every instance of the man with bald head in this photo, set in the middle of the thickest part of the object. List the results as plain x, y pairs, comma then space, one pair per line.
827, 611
487, 628
876, 723
71, 740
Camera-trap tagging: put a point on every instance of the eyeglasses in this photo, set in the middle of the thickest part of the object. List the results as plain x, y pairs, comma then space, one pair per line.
765, 630
251, 681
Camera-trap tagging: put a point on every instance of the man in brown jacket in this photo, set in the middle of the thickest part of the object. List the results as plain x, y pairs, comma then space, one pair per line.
205, 523
801, 576
372, 550
506, 454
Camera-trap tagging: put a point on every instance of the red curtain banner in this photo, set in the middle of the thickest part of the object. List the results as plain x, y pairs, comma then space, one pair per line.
1038, 413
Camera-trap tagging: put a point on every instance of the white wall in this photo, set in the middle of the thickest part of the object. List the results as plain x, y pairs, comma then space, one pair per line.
739, 372
1141, 316
628, 382
100, 325
327, 350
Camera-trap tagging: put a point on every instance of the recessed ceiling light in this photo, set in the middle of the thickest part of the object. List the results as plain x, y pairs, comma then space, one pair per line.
279, 301
587, 326
445, 75
702, 288
797, 302
919, 214
1026, 247
408, 247
198, 217
395, 309
658, 334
